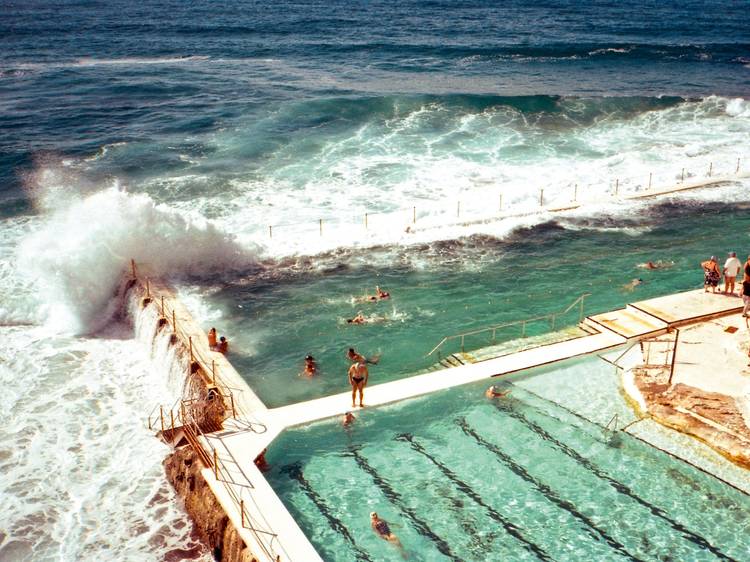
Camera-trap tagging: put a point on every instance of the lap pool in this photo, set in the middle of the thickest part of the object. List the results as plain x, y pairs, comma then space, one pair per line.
532, 476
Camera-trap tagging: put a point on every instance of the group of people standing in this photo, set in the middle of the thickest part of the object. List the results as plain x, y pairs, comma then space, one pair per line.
712, 275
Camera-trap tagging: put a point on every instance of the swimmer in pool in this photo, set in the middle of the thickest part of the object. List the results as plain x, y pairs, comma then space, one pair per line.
496, 392
311, 367
358, 319
656, 264
381, 294
381, 527
348, 419
632, 285
355, 357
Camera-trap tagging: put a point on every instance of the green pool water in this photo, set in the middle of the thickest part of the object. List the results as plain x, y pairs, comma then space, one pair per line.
534, 476
275, 318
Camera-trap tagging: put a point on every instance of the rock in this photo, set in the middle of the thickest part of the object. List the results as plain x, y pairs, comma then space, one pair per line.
211, 523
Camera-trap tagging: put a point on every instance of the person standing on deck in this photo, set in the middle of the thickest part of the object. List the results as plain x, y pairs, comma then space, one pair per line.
731, 268
212, 338
358, 376
745, 290
711, 274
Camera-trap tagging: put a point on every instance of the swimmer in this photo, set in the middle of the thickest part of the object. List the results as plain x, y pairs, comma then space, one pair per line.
632, 285
261, 463
381, 527
212, 338
495, 392
358, 319
656, 264
348, 419
311, 367
359, 358
381, 294
358, 376
223, 345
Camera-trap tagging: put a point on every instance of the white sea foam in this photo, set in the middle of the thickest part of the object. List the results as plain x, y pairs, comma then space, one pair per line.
78, 255
82, 474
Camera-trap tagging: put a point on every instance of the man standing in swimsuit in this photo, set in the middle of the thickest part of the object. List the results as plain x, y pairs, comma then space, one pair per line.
358, 376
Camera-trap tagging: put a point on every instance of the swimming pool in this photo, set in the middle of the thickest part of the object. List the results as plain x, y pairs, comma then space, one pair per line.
275, 317
461, 477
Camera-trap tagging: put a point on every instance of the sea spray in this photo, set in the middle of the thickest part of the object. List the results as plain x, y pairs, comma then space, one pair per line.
81, 252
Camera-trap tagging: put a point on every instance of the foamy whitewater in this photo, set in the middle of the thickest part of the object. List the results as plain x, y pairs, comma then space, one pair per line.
233, 145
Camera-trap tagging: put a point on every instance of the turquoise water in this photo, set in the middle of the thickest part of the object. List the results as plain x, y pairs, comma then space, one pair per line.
459, 477
276, 317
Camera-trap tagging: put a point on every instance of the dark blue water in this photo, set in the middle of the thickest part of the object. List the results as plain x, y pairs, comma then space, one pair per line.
75, 76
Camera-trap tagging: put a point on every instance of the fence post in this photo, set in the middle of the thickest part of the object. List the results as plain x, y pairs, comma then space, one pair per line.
674, 355
171, 418
321, 226
710, 168
162, 306
213, 370
365, 221
148, 289
617, 186
458, 209
161, 416
414, 214
174, 322
270, 231
501, 202
575, 193
541, 198
190, 344
580, 313
216, 465
738, 167
231, 400
242, 513
650, 175
682, 178
132, 267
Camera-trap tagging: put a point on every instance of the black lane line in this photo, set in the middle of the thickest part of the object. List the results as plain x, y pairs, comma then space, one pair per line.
509, 526
422, 527
548, 492
294, 471
686, 533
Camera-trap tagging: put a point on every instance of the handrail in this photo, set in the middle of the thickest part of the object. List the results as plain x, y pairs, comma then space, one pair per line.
224, 476
553, 316
185, 416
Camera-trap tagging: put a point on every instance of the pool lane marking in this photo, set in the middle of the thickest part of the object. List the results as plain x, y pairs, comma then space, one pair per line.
509, 526
294, 471
421, 527
617, 485
548, 492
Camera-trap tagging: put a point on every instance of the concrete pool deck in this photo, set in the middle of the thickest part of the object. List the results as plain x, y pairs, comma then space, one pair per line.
254, 508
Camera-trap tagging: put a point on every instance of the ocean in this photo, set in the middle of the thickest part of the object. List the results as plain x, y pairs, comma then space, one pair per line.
276, 160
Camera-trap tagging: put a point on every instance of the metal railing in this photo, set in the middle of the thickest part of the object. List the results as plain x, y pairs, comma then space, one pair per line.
551, 318
182, 416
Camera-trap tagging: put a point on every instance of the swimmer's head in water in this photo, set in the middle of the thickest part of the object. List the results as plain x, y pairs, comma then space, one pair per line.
351, 351
222, 338
309, 358
373, 515
713, 258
